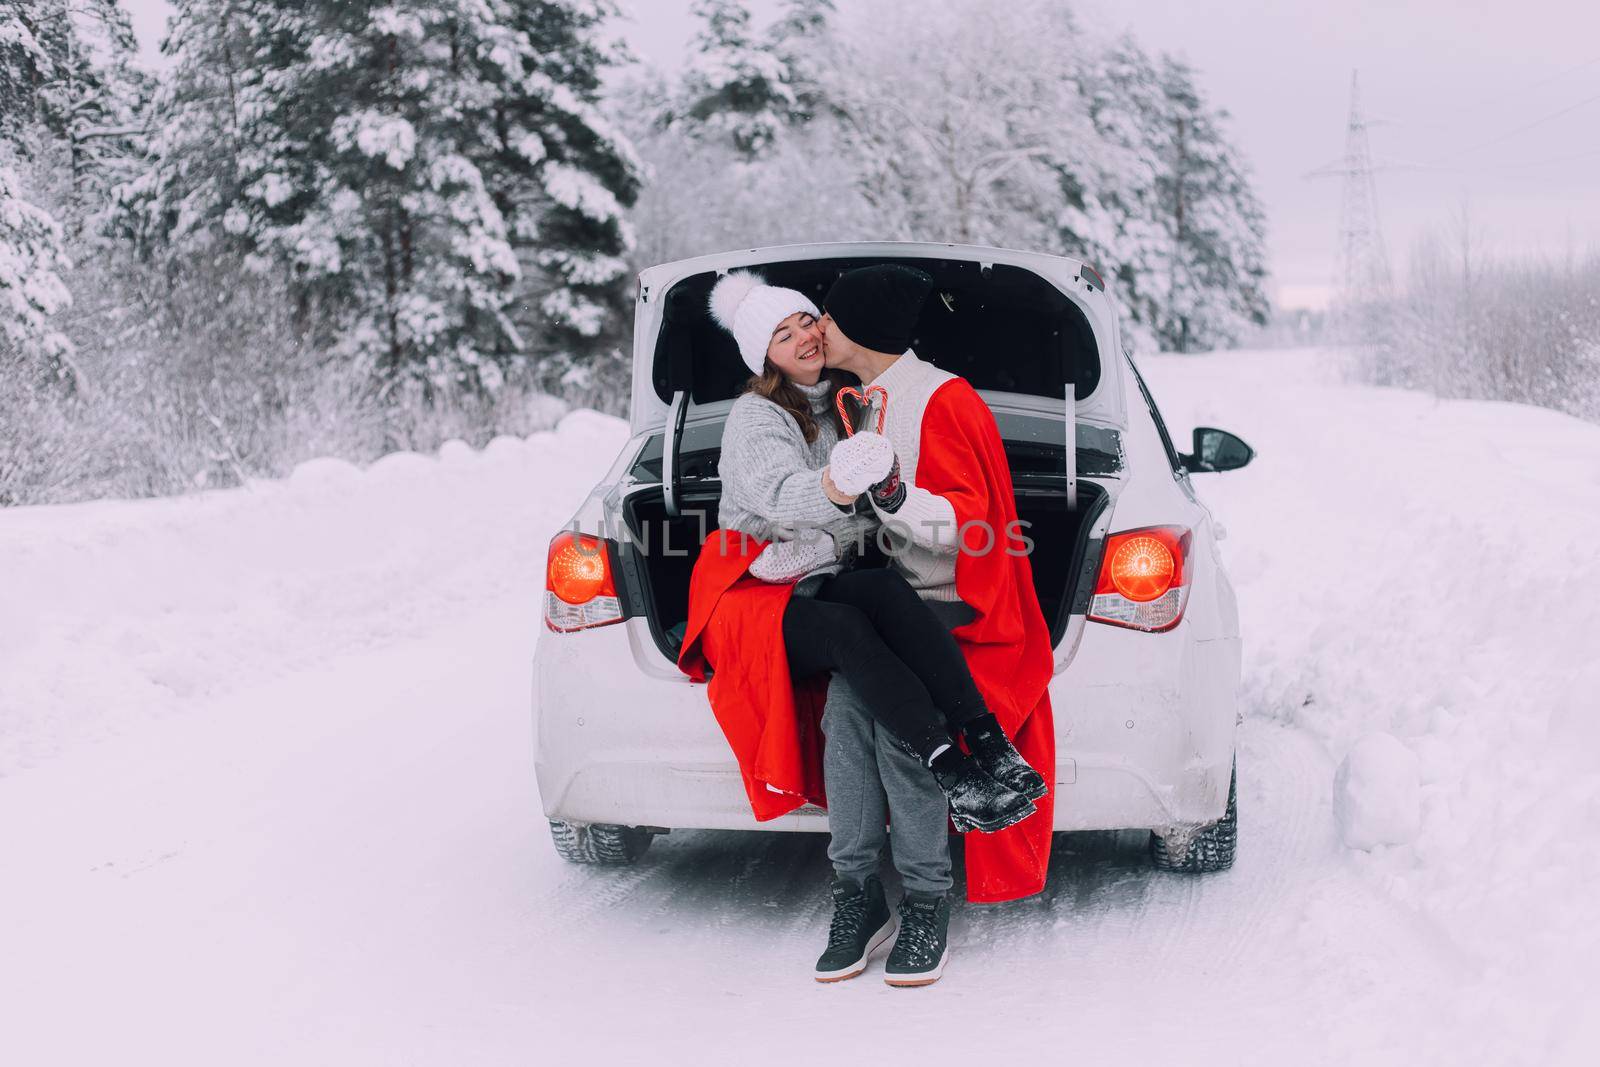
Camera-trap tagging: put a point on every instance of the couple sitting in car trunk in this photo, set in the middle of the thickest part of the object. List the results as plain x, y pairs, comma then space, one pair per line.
937, 711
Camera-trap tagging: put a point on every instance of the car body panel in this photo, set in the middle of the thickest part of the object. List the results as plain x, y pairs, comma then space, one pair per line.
1144, 729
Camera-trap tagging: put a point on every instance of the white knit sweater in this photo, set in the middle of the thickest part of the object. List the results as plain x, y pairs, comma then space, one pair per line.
921, 535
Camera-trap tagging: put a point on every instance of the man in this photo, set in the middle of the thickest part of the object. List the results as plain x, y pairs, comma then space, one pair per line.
950, 526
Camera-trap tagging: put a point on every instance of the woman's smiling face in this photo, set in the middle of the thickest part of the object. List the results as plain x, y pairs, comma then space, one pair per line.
796, 349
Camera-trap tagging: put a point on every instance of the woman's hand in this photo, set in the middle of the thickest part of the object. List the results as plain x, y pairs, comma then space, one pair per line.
833, 492
860, 462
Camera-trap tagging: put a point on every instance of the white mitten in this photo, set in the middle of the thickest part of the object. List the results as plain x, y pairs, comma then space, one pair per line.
788, 561
860, 462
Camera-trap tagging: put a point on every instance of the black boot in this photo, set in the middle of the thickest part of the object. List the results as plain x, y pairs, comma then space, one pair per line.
977, 801
1000, 758
861, 924
922, 949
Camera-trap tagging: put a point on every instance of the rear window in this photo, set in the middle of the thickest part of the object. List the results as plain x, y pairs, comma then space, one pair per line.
1003, 328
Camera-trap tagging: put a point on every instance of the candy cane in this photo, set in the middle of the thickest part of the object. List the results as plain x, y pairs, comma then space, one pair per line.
877, 391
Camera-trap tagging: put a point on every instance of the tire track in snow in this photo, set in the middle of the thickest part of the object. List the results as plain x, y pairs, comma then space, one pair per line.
716, 889
1284, 775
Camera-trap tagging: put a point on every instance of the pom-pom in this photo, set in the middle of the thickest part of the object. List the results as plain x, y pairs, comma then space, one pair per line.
729, 293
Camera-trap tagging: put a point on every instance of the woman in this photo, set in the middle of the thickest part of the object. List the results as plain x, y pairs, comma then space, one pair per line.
782, 518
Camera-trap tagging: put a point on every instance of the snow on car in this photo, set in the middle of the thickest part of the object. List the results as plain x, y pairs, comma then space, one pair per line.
1125, 562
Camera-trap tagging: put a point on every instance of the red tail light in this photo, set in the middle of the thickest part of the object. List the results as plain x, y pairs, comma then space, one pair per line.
1144, 578
579, 589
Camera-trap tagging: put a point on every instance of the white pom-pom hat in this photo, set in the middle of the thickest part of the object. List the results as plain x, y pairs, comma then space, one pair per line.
750, 309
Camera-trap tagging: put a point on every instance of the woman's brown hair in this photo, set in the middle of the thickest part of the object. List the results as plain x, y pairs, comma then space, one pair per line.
772, 385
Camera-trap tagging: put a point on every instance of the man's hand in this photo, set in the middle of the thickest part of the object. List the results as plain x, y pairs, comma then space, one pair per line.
842, 499
890, 493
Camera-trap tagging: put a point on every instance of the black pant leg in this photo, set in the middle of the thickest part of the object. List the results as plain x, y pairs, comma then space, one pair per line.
914, 633
819, 635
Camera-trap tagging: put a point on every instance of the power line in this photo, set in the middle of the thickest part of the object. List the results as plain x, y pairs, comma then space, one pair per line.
1462, 168
1502, 95
1532, 163
1494, 168
1520, 129
1339, 168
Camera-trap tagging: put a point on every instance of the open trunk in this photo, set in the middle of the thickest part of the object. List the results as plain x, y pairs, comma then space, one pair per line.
1065, 559
1024, 329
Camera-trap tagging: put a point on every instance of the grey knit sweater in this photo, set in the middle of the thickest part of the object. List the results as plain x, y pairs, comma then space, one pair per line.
772, 479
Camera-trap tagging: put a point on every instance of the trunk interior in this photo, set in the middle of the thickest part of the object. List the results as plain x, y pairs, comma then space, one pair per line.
1065, 562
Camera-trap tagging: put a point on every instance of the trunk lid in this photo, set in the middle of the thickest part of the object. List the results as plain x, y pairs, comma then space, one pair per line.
1018, 325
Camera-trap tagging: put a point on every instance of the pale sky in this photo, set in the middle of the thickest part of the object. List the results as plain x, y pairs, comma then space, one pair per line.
1490, 105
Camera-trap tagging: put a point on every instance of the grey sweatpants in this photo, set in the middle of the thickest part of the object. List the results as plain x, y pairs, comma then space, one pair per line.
871, 780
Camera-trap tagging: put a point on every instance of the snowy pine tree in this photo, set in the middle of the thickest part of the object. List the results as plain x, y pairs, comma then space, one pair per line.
210, 127
803, 41
25, 64
733, 87
32, 246
32, 258
966, 121
1135, 246
958, 123
1186, 241
401, 163
1218, 281
566, 179
97, 98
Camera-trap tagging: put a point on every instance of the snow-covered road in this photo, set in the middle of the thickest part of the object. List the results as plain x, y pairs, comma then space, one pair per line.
266, 789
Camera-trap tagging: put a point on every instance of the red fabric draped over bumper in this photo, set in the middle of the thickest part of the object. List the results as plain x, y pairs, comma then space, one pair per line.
735, 635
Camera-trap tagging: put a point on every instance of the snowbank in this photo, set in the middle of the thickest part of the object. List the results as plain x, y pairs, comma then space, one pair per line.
1427, 569
117, 613
1375, 794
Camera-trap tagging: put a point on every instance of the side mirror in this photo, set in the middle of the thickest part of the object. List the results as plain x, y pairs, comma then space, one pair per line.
1216, 450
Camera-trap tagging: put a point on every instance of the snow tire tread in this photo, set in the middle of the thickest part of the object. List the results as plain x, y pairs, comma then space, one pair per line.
1210, 849
599, 844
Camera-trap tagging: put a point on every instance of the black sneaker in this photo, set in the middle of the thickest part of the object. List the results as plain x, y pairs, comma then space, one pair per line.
1001, 760
923, 948
861, 924
977, 801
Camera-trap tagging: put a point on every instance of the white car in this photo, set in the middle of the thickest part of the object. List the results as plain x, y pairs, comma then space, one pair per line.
1142, 615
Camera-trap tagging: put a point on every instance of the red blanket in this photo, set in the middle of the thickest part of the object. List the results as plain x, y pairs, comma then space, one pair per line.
735, 630
1008, 644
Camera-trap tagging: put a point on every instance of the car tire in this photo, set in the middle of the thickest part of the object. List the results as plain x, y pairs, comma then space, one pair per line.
1206, 850
599, 844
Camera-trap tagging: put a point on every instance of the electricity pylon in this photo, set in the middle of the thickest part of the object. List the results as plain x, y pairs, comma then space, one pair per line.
1361, 275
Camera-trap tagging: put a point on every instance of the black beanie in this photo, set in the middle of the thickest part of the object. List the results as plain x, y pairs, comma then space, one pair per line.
877, 306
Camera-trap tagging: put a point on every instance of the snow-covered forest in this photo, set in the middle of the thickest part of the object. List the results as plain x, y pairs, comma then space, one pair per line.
991, 124
1467, 323
343, 228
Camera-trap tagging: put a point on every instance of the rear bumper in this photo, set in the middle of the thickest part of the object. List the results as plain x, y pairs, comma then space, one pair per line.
1144, 728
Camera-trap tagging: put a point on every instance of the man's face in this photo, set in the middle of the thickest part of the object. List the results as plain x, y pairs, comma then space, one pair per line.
838, 351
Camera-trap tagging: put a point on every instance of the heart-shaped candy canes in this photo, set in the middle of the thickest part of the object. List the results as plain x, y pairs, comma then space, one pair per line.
877, 392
